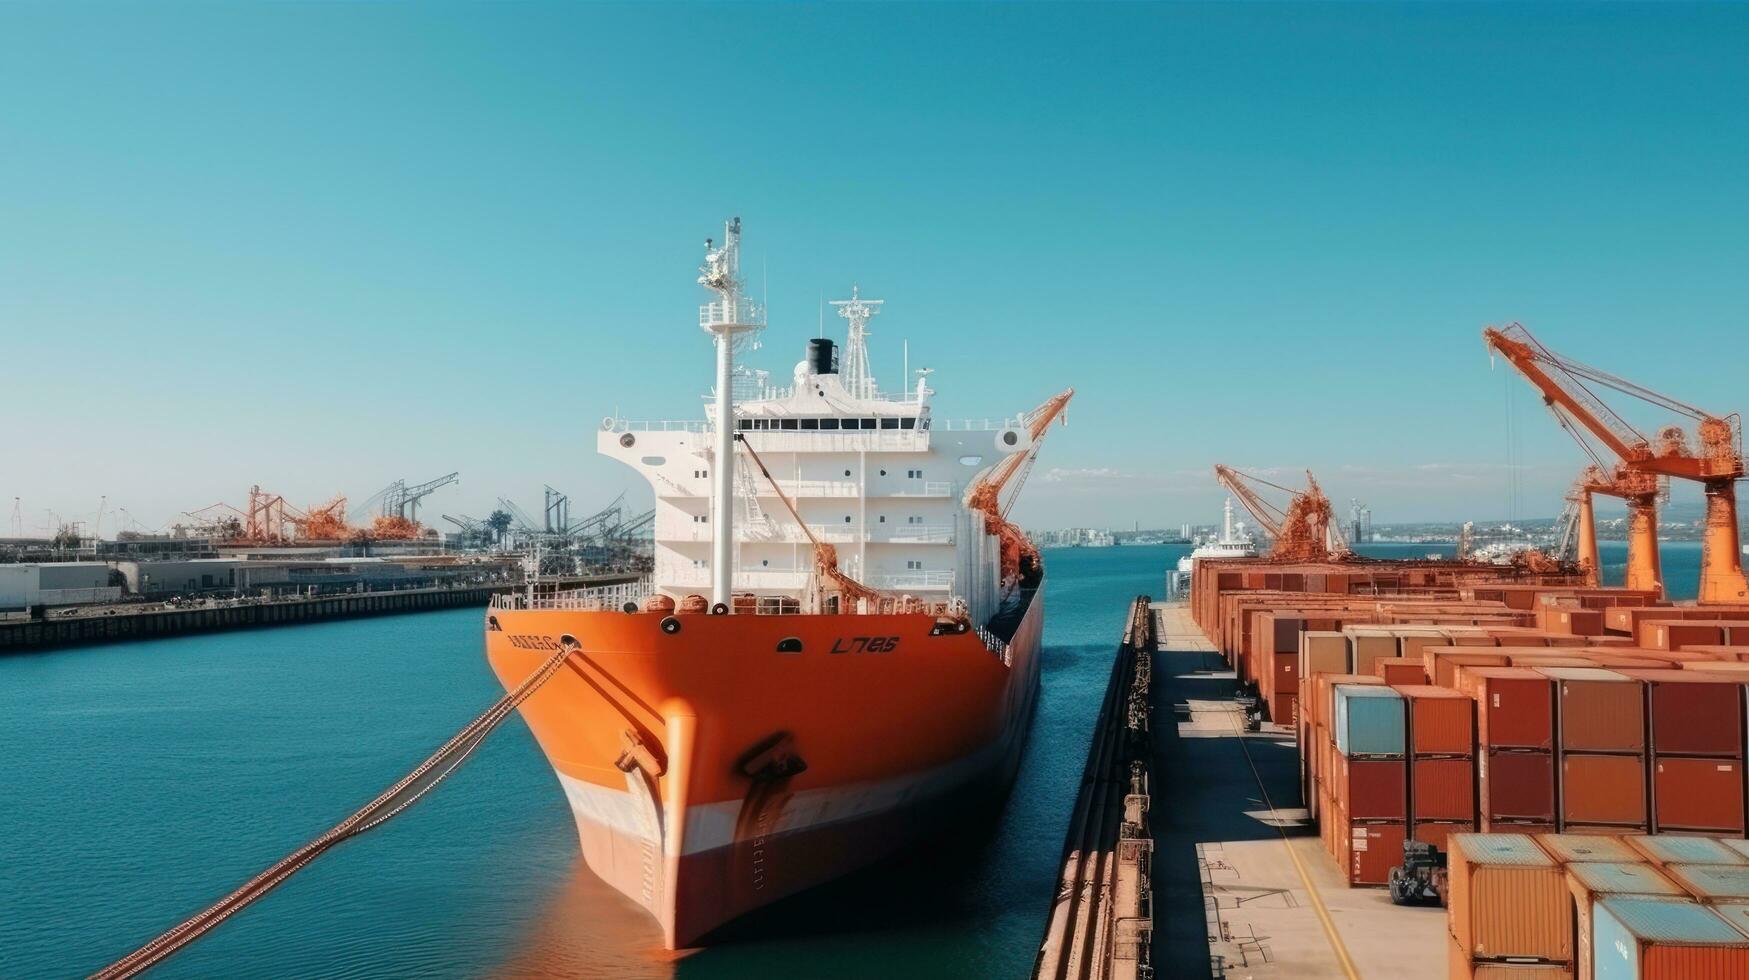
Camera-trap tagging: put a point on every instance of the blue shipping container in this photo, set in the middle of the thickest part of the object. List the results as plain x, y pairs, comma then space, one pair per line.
1621, 928
1369, 720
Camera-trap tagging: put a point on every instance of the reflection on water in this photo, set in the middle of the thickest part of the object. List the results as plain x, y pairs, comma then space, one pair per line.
588, 929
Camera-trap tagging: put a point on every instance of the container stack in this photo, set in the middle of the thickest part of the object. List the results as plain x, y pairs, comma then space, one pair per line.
1442, 762
1590, 906
1601, 729
1369, 805
1515, 741
1697, 742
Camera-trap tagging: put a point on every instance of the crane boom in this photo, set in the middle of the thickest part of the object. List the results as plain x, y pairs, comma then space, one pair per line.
1267, 515
1306, 530
1019, 557
1717, 463
825, 555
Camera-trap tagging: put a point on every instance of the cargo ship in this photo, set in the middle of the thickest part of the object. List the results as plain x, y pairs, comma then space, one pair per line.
836, 652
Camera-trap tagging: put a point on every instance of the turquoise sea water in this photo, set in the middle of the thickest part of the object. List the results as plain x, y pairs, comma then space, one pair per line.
143, 780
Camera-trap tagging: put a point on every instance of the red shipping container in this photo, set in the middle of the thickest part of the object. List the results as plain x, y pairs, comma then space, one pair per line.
1441, 721
1283, 707
1371, 789
1669, 634
1693, 712
1517, 786
1514, 707
1441, 663
1442, 789
1437, 832
1603, 789
1285, 678
1697, 795
1598, 710
1401, 670
1368, 850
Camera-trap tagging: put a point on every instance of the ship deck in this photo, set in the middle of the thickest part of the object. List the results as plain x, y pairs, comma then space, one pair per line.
1242, 887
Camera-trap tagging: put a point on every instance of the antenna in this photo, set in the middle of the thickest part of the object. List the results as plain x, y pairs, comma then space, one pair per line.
857, 378
907, 375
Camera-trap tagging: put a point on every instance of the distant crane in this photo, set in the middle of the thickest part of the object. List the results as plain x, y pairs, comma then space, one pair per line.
1717, 464
397, 507
1304, 530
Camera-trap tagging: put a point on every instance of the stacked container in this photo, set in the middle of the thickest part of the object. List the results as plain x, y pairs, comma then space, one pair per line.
1368, 781
1712, 884
1507, 902
1442, 763
1515, 741
1649, 939
1591, 881
1601, 735
1696, 721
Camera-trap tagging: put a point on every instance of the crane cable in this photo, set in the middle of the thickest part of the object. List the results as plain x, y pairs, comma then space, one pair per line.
397, 798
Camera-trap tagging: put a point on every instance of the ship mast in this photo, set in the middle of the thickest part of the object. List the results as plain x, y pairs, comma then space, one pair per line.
857, 378
728, 319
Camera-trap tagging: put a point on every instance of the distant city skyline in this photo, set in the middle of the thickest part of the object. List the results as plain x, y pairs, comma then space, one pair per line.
321, 248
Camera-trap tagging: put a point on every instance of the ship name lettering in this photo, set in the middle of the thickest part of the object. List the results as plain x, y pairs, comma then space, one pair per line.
524, 641
865, 644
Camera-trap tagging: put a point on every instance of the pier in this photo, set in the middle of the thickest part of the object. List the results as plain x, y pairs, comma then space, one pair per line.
117, 623
1233, 881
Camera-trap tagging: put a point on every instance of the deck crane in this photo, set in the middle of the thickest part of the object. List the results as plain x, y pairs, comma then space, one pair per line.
825, 555
1305, 530
1642, 492
1717, 464
1020, 560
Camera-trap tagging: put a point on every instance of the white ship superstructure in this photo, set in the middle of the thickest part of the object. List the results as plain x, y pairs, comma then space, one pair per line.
875, 474
1235, 542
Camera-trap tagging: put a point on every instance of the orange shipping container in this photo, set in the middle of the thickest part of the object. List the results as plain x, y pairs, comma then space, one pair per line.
1461, 967
1589, 881
1441, 663
1508, 898
1603, 789
1671, 634
1441, 721
1697, 795
1400, 670
1368, 850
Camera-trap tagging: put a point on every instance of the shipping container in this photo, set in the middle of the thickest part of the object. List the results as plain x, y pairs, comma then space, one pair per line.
1441, 721
1516, 786
1400, 670
1670, 634
1567, 848
1371, 789
1598, 710
1441, 663
1740, 846
1603, 789
1366, 851
1514, 706
1693, 713
1691, 794
1591, 885
1323, 652
1646, 939
1368, 720
1324, 691
1508, 898
1438, 832
1671, 849
1710, 883
1461, 967
1442, 789
1370, 643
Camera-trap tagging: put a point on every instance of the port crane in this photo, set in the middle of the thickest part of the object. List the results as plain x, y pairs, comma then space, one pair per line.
1019, 556
1304, 530
1717, 463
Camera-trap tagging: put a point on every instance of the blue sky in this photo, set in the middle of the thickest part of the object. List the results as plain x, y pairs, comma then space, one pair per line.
321, 247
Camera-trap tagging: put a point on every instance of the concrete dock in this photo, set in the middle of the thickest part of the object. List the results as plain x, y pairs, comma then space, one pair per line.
1241, 886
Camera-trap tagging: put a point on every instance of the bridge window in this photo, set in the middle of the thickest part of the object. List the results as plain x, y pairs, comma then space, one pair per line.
907, 423
810, 423
744, 424
829, 423
889, 423
787, 424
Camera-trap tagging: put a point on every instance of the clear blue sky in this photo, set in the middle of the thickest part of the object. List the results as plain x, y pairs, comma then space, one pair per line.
320, 247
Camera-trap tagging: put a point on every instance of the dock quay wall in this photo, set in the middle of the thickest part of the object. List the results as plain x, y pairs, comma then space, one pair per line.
1101, 919
118, 623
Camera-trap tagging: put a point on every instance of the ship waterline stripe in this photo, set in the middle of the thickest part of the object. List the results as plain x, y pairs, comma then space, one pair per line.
709, 826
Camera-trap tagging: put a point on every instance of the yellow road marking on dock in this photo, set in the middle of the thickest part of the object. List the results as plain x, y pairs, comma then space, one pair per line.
1324, 919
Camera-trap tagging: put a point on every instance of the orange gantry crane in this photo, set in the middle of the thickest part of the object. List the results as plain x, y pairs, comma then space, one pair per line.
1716, 464
1642, 493
1020, 558
1305, 530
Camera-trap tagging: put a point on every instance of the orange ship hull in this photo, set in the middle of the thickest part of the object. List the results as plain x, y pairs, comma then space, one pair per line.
711, 774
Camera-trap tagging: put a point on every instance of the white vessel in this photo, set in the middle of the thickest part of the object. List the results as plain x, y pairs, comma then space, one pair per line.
1235, 542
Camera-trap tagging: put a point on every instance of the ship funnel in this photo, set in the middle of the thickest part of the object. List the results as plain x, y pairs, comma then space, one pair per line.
822, 356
